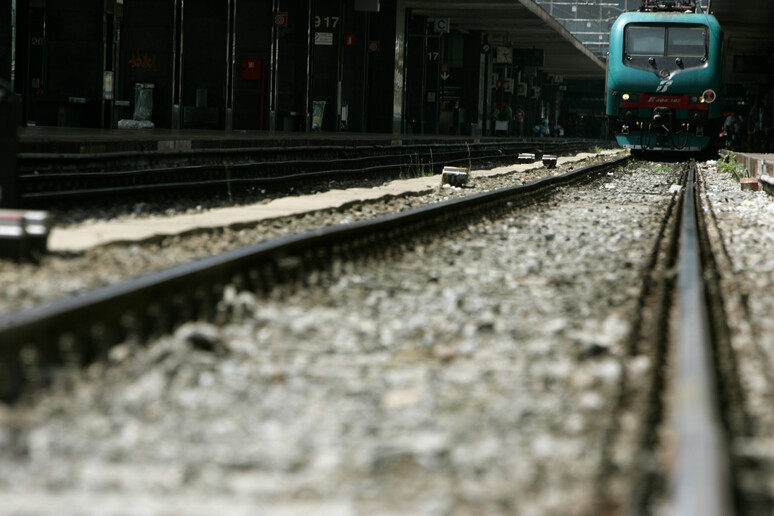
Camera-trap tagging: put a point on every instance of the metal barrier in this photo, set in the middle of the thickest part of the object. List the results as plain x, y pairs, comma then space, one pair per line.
9, 120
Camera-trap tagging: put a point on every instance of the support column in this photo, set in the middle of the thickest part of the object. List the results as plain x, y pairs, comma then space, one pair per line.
9, 120
6, 31
399, 77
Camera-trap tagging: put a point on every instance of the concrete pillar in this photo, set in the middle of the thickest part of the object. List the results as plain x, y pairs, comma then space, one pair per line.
400, 73
9, 120
5, 40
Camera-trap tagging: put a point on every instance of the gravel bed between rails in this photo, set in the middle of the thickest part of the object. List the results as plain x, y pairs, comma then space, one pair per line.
61, 275
477, 374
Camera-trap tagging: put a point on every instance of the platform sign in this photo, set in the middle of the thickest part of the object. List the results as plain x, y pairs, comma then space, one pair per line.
442, 25
281, 19
323, 38
107, 85
251, 69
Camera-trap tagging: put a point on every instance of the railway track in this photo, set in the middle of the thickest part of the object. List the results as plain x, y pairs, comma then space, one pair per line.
693, 408
684, 348
59, 176
82, 328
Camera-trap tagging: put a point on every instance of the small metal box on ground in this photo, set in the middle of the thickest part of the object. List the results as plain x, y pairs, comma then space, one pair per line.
455, 176
23, 234
549, 160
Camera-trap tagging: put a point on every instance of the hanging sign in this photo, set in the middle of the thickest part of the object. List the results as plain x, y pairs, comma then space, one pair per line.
323, 38
442, 25
281, 19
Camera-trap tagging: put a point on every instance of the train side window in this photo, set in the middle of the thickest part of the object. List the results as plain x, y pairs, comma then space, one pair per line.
687, 42
645, 41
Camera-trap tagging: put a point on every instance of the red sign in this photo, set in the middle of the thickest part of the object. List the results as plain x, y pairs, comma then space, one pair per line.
374, 46
349, 40
281, 19
251, 69
646, 100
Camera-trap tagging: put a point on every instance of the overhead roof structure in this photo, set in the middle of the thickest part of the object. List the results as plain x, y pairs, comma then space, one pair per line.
745, 19
522, 24
748, 40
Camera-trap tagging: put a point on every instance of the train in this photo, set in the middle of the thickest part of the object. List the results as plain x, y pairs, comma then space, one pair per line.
663, 81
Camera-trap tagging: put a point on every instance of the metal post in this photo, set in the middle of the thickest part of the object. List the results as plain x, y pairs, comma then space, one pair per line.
273, 77
230, 61
10, 113
309, 60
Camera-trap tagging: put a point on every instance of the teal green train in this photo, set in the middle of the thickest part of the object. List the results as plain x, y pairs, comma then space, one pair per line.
664, 77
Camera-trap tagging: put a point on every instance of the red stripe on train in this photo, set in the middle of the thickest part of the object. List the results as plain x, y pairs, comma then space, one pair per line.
648, 100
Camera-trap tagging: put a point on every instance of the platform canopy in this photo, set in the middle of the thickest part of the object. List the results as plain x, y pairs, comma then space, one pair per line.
748, 45
744, 19
518, 24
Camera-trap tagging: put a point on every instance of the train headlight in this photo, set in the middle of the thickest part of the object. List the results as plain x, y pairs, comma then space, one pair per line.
625, 96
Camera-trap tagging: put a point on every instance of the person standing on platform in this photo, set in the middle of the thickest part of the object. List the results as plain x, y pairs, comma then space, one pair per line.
518, 117
506, 115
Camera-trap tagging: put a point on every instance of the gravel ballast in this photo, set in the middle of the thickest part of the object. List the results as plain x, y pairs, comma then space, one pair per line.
480, 373
476, 374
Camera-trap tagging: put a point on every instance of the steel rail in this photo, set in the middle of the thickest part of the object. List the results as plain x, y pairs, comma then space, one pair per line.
233, 179
702, 477
96, 175
93, 321
98, 162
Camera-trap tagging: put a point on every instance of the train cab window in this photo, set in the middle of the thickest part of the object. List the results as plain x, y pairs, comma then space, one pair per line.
686, 41
645, 40
673, 41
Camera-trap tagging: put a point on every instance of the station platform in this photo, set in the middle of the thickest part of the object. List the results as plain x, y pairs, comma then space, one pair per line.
82, 238
757, 164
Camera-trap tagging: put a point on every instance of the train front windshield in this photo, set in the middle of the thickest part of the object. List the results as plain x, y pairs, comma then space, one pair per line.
655, 40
